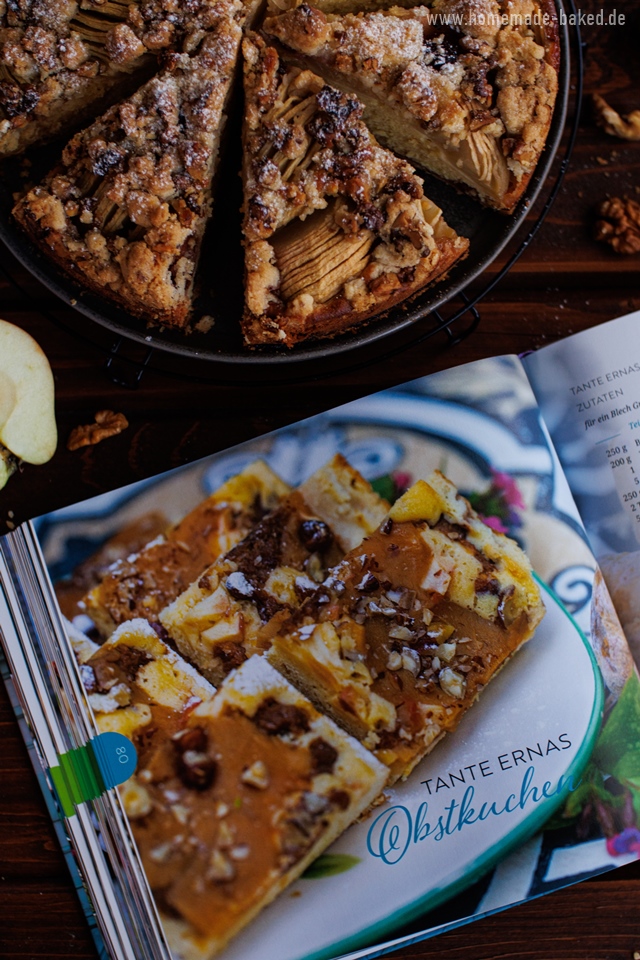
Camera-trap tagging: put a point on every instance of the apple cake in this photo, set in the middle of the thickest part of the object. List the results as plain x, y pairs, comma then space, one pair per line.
235, 805
336, 228
145, 582
235, 607
61, 59
125, 210
463, 88
402, 636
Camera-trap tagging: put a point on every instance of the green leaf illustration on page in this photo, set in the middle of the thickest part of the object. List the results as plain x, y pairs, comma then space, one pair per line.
329, 865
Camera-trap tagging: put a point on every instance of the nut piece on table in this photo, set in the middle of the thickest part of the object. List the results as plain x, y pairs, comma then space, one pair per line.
619, 224
107, 424
27, 420
627, 127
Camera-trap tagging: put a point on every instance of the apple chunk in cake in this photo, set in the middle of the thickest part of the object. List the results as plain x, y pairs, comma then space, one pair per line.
463, 89
233, 609
125, 211
403, 635
336, 228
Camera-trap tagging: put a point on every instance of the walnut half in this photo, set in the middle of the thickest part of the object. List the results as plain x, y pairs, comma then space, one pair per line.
627, 128
619, 224
107, 424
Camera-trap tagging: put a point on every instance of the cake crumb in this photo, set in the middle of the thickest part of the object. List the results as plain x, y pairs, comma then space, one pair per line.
205, 324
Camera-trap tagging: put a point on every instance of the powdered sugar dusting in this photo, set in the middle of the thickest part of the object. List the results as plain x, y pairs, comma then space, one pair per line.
385, 39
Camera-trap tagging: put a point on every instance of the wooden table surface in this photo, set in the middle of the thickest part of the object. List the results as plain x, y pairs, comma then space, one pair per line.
564, 282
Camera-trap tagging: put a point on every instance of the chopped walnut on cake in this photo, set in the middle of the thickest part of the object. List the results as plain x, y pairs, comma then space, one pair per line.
144, 582
232, 610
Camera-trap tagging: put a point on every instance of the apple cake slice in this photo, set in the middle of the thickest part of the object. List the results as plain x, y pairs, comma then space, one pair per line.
232, 808
133, 537
125, 211
336, 228
136, 685
234, 608
61, 59
145, 582
463, 88
403, 635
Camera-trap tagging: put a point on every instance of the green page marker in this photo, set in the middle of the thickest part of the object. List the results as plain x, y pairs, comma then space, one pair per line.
87, 772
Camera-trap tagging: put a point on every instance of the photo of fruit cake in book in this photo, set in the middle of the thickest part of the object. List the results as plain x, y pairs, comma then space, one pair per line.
462, 600
358, 673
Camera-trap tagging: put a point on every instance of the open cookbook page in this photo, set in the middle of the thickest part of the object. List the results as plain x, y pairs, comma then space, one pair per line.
588, 390
362, 577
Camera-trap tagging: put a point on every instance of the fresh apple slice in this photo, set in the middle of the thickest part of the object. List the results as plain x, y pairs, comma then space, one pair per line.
27, 418
7, 398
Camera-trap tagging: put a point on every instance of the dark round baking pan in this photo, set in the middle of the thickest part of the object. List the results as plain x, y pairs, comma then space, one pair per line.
221, 268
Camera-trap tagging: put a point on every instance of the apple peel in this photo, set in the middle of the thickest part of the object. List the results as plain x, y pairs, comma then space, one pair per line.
27, 394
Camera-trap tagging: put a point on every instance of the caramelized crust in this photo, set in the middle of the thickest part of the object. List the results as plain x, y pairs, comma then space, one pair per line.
235, 607
144, 583
336, 228
403, 635
465, 90
59, 59
125, 211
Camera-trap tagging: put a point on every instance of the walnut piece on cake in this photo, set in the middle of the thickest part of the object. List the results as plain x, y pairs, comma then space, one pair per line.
145, 582
125, 211
463, 89
402, 636
336, 228
234, 608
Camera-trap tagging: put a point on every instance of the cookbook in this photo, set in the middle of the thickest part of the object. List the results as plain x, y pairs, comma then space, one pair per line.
377, 666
